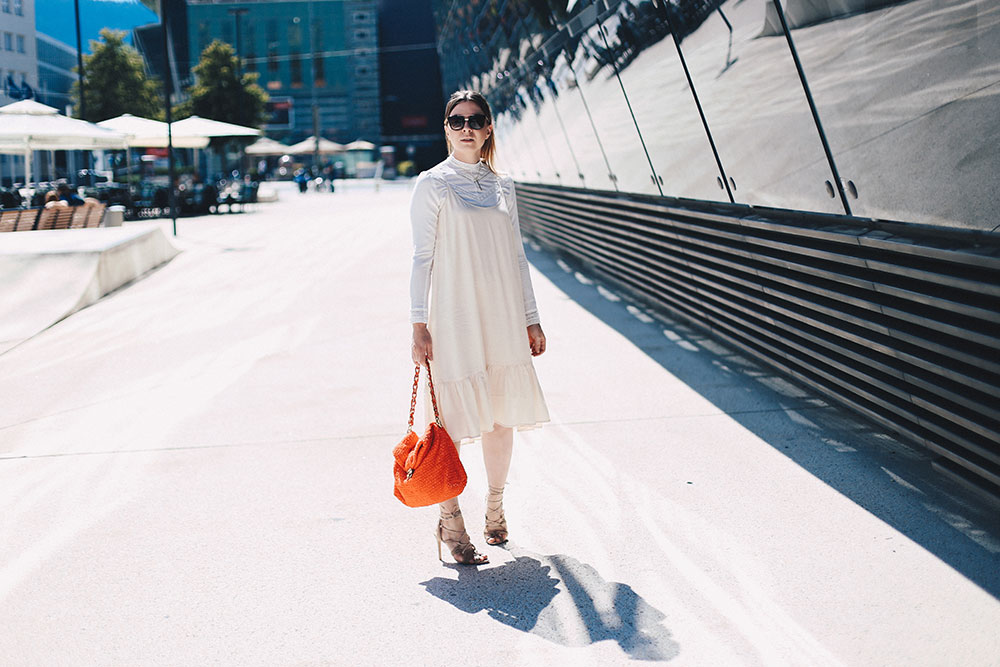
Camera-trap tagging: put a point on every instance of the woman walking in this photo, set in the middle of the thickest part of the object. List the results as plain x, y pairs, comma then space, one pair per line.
473, 310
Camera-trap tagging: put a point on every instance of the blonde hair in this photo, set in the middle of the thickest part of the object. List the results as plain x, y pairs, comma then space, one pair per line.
489, 151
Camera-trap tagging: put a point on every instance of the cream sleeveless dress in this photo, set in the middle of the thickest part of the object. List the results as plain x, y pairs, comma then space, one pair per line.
483, 374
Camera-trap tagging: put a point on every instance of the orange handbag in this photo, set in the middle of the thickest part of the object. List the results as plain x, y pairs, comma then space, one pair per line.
427, 470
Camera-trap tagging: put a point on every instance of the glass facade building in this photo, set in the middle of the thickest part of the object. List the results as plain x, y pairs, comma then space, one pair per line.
320, 53
884, 109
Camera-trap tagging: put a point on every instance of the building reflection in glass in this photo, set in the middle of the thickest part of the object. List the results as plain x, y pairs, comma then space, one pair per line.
701, 99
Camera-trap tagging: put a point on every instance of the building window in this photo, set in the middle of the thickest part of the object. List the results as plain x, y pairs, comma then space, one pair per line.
319, 72
361, 35
8, 41
295, 33
296, 63
204, 35
360, 17
5, 4
19, 7
20, 43
250, 44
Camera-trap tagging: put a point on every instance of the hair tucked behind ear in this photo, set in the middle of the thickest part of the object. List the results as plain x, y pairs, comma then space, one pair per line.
489, 151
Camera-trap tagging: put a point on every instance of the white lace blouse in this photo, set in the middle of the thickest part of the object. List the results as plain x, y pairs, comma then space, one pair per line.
476, 185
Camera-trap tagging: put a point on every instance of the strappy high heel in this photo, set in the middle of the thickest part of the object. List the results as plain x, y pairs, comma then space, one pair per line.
461, 546
496, 523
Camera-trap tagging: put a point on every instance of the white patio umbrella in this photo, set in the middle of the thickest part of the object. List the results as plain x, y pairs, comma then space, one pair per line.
28, 126
309, 146
149, 133
266, 146
196, 126
360, 145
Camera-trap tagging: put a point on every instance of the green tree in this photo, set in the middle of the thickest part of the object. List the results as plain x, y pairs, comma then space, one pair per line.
220, 93
115, 81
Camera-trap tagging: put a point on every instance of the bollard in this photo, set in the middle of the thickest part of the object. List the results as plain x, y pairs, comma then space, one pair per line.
114, 216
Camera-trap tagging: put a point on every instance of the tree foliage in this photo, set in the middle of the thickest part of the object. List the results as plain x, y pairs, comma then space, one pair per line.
115, 81
220, 93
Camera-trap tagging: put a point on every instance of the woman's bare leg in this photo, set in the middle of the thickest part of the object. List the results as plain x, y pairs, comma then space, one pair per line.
498, 445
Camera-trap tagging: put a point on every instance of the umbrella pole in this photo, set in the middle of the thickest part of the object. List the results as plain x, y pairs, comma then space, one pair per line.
27, 171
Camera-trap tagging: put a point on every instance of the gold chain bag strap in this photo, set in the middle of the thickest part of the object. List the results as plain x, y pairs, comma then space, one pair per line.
426, 470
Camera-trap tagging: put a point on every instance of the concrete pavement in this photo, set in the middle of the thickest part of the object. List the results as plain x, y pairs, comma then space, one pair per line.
196, 470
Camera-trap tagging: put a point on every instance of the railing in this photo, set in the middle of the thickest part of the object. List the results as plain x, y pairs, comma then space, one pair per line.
898, 322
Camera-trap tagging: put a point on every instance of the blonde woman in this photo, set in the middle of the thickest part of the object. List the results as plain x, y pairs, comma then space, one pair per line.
473, 310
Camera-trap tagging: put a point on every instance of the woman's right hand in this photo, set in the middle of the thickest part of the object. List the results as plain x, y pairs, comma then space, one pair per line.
421, 350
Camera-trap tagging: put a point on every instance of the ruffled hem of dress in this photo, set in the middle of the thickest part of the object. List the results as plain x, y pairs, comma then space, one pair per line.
506, 395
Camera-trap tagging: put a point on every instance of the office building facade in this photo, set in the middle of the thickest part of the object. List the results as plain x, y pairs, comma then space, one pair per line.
56, 62
410, 72
18, 54
318, 54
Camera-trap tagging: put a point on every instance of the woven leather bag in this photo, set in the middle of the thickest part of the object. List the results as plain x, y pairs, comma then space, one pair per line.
427, 470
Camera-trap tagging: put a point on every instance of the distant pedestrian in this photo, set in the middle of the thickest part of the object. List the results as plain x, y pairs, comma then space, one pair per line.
302, 178
52, 199
471, 294
69, 195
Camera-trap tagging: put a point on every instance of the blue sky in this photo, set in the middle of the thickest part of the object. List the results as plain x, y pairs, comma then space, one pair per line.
56, 18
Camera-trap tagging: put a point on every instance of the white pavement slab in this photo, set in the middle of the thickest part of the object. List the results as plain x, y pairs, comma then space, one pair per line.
47, 275
196, 470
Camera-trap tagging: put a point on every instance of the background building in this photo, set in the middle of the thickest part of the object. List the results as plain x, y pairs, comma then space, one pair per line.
318, 54
18, 56
410, 73
56, 62
18, 68
148, 40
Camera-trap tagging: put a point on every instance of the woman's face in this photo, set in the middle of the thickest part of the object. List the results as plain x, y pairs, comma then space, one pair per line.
467, 139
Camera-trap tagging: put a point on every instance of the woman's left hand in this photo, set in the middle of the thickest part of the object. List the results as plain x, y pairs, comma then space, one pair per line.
536, 339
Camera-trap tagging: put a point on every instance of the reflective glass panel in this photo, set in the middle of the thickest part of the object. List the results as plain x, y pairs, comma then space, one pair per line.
909, 96
637, 35
758, 113
596, 82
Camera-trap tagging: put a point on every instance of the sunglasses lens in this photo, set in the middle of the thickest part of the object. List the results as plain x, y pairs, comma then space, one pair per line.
476, 122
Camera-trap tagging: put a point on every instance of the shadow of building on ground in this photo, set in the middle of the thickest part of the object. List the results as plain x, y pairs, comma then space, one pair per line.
561, 600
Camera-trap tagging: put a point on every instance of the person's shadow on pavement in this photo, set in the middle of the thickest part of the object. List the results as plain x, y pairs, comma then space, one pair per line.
525, 595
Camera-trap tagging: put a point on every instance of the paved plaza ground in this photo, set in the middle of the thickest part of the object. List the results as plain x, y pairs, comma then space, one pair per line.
196, 470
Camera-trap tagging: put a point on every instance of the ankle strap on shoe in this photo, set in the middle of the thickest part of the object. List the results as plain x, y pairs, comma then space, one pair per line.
447, 516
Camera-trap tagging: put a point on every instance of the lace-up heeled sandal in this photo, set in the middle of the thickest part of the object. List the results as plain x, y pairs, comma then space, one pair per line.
496, 522
457, 540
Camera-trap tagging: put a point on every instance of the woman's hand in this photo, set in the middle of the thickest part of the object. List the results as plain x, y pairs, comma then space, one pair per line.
536, 339
421, 350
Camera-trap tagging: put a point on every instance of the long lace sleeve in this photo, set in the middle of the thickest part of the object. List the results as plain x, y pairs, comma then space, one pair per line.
530, 307
424, 206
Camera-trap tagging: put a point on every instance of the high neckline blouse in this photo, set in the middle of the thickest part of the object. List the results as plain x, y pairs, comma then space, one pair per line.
462, 177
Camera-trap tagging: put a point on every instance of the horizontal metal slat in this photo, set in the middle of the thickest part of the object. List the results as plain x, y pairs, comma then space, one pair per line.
728, 280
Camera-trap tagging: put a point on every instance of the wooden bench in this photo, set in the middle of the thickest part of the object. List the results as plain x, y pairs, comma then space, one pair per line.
56, 217
18, 219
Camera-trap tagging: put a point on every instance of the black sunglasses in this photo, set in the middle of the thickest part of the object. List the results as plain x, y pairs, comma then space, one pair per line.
475, 121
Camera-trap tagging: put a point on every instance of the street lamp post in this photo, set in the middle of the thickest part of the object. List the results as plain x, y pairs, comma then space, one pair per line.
236, 13
79, 79
168, 86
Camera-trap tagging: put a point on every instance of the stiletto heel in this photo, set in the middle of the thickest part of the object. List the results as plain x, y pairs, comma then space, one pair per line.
461, 547
496, 523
